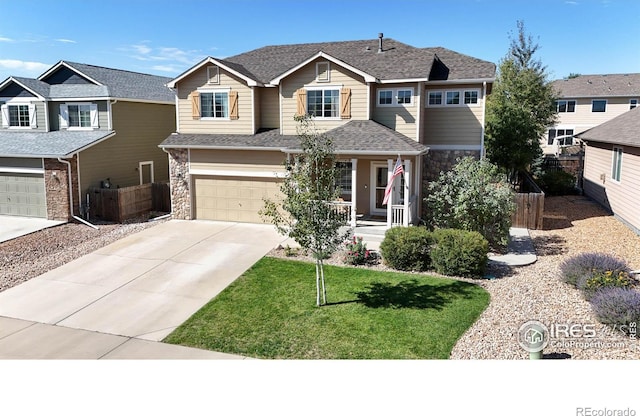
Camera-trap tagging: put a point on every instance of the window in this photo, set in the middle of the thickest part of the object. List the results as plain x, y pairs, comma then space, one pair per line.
566, 106
214, 104
404, 96
471, 97
323, 73
395, 97
213, 75
19, 115
616, 167
598, 106
79, 115
343, 180
323, 103
564, 141
435, 98
633, 103
453, 97
385, 97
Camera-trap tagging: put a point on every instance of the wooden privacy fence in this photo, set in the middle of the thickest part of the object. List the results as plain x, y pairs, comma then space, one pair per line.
124, 203
529, 205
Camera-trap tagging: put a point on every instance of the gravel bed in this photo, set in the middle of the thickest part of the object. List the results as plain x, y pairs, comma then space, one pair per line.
26, 257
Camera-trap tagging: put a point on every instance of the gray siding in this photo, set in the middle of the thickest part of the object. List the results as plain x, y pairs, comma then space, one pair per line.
54, 114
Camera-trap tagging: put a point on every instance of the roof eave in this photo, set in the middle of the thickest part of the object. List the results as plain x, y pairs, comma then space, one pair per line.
367, 77
463, 81
12, 79
63, 63
209, 60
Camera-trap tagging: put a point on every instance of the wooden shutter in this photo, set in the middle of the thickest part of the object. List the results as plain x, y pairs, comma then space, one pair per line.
32, 116
5, 115
345, 103
93, 108
195, 105
64, 116
302, 102
233, 105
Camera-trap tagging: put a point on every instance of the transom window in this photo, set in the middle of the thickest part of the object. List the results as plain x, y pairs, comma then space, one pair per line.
453, 97
435, 98
598, 106
323, 103
395, 97
214, 104
18, 115
79, 115
633, 103
616, 168
566, 106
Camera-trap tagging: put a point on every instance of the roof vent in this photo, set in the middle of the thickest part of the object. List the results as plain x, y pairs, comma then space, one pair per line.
380, 36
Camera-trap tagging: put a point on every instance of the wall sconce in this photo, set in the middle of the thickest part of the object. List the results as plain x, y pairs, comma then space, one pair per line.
603, 177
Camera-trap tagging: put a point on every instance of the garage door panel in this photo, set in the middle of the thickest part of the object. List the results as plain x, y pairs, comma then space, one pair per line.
22, 194
233, 198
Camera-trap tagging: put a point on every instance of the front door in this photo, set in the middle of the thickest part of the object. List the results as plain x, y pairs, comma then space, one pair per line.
379, 176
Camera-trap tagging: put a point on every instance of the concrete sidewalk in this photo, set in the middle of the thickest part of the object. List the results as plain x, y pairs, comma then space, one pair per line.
111, 302
520, 250
13, 226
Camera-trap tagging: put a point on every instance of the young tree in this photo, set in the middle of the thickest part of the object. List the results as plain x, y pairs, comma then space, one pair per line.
306, 214
520, 108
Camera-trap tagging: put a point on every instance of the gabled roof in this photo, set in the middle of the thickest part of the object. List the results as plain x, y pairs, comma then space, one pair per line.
116, 83
354, 137
397, 61
607, 85
35, 87
620, 130
60, 143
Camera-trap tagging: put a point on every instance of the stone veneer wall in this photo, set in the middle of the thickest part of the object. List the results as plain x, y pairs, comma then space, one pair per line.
56, 184
179, 180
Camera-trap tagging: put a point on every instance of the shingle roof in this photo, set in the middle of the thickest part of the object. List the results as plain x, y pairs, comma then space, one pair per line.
356, 136
620, 130
39, 87
397, 61
608, 85
50, 144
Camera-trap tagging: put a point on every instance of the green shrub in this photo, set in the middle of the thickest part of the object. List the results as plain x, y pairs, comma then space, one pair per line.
473, 196
557, 182
459, 252
599, 280
407, 248
356, 252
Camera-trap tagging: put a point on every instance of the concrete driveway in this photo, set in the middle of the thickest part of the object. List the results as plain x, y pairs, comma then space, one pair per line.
139, 289
13, 226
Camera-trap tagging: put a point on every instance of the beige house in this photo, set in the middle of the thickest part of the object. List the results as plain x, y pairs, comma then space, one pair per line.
377, 99
79, 126
612, 166
588, 101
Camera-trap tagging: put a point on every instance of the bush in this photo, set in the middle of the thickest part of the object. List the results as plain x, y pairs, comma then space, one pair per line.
473, 196
583, 266
407, 248
557, 182
356, 252
619, 306
459, 252
599, 280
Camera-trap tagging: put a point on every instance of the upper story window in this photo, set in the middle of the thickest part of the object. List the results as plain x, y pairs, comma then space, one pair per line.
79, 116
18, 115
566, 106
453, 97
214, 104
471, 97
562, 141
395, 97
435, 98
616, 166
323, 103
598, 106
323, 72
213, 75
633, 103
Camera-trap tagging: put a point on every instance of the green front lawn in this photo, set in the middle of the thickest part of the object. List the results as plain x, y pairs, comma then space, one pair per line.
270, 312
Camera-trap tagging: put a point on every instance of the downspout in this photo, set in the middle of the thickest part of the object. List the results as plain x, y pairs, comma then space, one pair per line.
484, 110
66, 162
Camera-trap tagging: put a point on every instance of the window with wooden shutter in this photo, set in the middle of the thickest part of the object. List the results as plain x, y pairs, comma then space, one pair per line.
64, 116
195, 105
302, 102
32, 116
5, 115
345, 103
233, 105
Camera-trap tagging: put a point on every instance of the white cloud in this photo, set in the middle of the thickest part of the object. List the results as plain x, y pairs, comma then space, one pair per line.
167, 59
65, 40
573, 3
4, 39
167, 68
23, 68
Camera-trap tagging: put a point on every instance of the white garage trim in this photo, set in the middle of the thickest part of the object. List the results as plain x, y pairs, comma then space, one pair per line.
240, 173
5, 169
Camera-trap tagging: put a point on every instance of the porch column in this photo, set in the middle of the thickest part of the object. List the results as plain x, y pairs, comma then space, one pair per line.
390, 203
407, 191
354, 171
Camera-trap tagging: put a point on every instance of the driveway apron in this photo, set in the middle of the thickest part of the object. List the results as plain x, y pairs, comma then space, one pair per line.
144, 285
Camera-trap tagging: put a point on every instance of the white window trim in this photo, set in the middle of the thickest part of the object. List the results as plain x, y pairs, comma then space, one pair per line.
461, 92
328, 72
606, 104
13, 101
575, 105
226, 90
146, 163
394, 97
613, 163
213, 79
324, 88
64, 116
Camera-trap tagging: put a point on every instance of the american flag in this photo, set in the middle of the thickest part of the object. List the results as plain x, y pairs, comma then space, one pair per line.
397, 171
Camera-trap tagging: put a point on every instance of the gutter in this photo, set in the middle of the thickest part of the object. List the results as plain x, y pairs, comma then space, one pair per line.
66, 162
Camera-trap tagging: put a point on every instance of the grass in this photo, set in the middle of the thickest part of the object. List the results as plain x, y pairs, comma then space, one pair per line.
270, 312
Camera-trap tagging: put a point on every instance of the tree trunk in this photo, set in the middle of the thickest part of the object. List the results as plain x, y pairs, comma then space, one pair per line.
324, 289
317, 282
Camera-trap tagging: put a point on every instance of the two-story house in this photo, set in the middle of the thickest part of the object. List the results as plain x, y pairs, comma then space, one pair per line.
79, 126
377, 99
587, 101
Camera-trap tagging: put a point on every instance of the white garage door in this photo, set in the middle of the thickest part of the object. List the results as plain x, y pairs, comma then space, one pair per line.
233, 198
22, 194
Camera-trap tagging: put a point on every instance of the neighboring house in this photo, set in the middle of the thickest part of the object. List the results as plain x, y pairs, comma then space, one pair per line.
92, 122
612, 166
377, 99
587, 101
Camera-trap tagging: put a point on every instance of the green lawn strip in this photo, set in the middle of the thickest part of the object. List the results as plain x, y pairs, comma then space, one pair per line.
270, 312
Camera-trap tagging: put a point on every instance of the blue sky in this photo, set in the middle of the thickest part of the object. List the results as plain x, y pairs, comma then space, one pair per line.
167, 37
